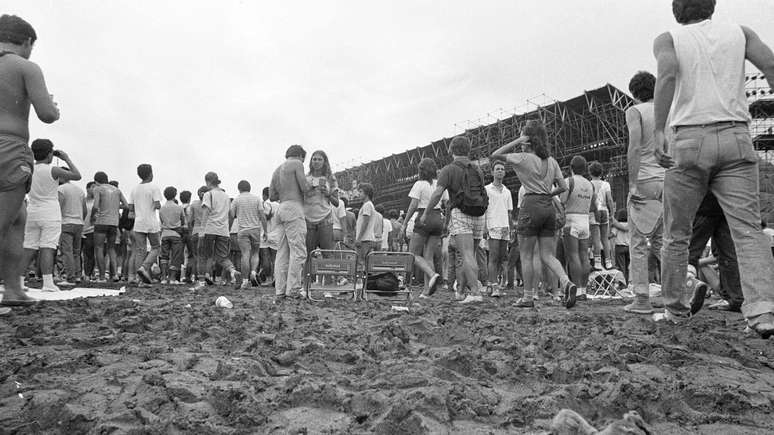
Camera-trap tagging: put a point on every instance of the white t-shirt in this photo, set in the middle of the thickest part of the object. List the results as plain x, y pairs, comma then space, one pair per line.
500, 206
366, 210
217, 204
273, 227
386, 228
422, 190
146, 217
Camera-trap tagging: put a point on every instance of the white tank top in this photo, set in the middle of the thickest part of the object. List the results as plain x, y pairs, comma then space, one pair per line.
710, 79
649, 167
43, 204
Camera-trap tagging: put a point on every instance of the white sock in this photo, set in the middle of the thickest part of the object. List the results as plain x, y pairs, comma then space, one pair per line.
21, 281
581, 290
48, 280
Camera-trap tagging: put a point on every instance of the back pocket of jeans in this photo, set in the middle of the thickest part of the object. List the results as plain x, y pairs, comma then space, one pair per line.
746, 151
686, 152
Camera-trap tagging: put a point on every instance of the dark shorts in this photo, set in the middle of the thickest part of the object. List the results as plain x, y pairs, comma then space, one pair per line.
537, 216
16, 163
110, 231
433, 224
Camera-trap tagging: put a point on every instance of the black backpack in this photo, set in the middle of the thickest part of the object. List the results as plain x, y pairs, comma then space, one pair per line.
472, 199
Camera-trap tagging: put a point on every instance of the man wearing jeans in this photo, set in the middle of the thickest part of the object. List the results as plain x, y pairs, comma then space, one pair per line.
288, 185
72, 202
701, 79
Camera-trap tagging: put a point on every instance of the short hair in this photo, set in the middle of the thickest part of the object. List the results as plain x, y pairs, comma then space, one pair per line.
596, 169
113, 183
392, 214
90, 184
380, 209
763, 223
201, 191
686, 11
41, 148
144, 171
642, 86
243, 186
170, 193
101, 177
578, 165
185, 196
345, 201
497, 162
266, 191
621, 215
428, 170
538, 137
368, 189
295, 151
460, 146
15, 30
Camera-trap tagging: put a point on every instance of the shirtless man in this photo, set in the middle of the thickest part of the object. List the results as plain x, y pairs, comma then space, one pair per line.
288, 184
21, 84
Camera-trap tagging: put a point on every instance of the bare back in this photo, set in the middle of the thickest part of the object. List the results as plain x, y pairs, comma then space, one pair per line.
22, 84
286, 182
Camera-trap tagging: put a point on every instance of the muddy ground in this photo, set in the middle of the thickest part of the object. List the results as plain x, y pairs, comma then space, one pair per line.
167, 360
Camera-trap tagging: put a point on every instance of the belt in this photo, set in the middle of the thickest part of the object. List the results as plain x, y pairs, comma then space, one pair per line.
714, 124
537, 194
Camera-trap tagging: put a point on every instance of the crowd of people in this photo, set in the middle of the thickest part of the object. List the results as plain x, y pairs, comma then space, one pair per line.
693, 177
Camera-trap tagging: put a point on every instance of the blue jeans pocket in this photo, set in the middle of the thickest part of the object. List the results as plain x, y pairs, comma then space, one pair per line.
746, 151
686, 152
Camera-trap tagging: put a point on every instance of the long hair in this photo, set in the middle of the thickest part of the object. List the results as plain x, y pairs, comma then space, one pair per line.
326, 169
427, 170
538, 138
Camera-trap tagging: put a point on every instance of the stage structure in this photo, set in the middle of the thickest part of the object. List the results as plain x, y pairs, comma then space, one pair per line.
592, 124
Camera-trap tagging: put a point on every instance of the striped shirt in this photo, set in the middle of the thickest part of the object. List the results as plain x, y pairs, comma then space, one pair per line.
245, 209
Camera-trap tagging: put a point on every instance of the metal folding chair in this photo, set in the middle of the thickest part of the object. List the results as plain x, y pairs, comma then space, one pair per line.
399, 263
328, 267
606, 284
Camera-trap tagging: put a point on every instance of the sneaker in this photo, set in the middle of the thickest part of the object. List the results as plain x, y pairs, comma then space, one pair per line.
174, 282
471, 299
164, 282
200, 285
432, 285
640, 305
667, 316
245, 285
608, 264
144, 275
699, 294
253, 278
763, 325
570, 291
496, 292
524, 303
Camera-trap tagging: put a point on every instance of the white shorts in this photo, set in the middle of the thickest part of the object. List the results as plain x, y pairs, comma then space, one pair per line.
42, 234
577, 225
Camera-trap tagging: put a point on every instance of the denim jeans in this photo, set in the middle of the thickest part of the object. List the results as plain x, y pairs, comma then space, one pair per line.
250, 246
89, 260
719, 158
291, 254
320, 234
716, 227
142, 257
70, 244
639, 251
172, 252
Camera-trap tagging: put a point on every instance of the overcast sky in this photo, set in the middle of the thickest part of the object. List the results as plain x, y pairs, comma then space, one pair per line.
192, 86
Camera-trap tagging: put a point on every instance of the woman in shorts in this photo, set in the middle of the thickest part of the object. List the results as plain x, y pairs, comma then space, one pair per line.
426, 239
538, 173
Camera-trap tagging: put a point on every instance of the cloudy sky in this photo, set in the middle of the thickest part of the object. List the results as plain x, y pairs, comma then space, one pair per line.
192, 86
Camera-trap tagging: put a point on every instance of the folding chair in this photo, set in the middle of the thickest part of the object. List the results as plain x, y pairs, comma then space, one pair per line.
329, 265
399, 263
606, 284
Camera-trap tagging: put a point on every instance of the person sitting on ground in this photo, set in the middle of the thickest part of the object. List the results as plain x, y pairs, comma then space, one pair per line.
44, 217
425, 238
72, 202
467, 195
144, 201
172, 218
247, 209
216, 205
22, 85
498, 225
538, 173
579, 201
